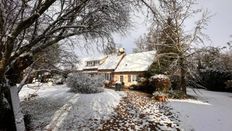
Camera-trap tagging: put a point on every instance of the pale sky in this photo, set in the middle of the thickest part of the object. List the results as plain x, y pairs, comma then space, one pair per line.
219, 27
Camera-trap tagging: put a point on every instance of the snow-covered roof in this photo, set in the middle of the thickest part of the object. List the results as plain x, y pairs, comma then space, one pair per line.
91, 67
83, 62
95, 58
136, 62
111, 62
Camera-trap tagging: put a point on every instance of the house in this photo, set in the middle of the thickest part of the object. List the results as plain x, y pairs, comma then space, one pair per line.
132, 66
103, 65
111, 63
118, 67
90, 65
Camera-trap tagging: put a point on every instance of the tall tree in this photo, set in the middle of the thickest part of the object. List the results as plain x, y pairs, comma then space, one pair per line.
178, 12
29, 26
165, 47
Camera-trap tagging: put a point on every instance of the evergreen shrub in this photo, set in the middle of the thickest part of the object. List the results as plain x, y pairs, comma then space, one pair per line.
175, 82
215, 80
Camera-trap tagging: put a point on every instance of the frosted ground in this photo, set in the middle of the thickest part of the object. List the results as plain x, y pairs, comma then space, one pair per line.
211, 112
55, 108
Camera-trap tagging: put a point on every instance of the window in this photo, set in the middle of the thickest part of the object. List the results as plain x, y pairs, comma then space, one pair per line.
134, 77
88, 64
110, 77
92, 63
121, 78
129, 78
107, 76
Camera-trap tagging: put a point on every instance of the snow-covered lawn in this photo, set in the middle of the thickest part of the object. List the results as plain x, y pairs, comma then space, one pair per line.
212, 111
56, 108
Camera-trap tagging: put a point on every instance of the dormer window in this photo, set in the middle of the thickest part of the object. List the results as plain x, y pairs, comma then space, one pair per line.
93, 63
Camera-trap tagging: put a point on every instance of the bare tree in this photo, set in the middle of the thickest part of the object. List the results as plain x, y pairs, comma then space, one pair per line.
141, 44
217, 58
179, 11
29, 26
148, 41
110, 47
56, 58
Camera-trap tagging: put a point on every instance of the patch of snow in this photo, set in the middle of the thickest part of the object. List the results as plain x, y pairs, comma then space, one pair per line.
89, 107
58, 91
44, 90
24, 93
190, 101
212, 111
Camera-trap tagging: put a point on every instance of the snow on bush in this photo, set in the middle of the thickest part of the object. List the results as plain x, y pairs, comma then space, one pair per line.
158, 93
84, 83
161, 82
159, 76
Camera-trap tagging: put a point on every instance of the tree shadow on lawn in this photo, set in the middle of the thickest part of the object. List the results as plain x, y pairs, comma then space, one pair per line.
65, 113
41, 111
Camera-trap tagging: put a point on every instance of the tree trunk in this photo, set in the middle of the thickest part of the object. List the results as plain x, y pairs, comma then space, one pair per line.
6, 112
11, 116
15, 103
182, 75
